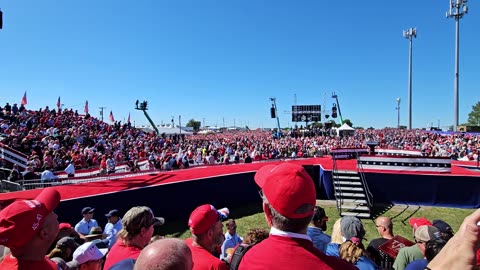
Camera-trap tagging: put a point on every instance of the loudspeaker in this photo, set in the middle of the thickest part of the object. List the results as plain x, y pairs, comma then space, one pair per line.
272, 112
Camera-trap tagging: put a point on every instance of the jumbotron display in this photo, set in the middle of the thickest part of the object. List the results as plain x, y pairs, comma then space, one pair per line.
306, 113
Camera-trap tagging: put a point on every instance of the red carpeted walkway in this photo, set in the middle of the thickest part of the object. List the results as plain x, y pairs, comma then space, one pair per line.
195, 174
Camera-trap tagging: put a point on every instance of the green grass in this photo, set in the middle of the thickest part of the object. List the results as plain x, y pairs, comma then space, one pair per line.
251, 216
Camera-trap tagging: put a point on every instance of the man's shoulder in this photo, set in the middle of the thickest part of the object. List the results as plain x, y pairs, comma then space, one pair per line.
377, 242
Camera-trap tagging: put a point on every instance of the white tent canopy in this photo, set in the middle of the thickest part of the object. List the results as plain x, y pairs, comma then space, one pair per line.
345, 130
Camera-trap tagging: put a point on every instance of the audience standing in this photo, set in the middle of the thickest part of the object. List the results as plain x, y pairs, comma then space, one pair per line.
165, 254
316, 229
84, 226
288, 195
384, 226
135, 235
88, 257
422, 234
113, 226
28, 228
231, 238
205, 224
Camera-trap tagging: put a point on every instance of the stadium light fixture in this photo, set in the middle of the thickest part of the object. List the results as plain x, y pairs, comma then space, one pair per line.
410, 34
458, 8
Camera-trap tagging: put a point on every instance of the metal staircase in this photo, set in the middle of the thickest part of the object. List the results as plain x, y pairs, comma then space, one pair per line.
351, 192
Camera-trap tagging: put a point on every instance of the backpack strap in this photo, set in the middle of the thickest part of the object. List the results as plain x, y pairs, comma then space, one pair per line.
238, 255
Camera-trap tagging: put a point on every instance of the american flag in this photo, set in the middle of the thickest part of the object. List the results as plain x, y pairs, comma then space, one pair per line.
24, 99
111, 117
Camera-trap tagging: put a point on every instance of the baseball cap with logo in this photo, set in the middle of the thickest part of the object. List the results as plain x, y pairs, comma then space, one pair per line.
87, 252
203, 217
288, 188
21, 220
417, 222
426, 233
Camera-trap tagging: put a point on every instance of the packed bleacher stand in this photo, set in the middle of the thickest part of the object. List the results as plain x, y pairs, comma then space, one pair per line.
52, 138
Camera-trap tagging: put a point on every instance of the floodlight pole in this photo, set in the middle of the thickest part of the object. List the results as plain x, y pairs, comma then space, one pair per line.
410, 34
398, 112
458, 8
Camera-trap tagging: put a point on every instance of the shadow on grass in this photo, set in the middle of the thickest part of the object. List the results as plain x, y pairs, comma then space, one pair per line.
175, 228
379, 209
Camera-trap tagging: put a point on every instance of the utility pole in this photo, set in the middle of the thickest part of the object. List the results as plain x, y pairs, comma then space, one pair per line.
458, 8
101, 112
410, 34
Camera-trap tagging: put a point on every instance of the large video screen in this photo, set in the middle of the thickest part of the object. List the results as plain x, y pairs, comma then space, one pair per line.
306, 113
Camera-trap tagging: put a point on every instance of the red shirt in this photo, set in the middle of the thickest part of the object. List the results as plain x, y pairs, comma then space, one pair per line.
119, 252
279, 252
204, 260
12, 263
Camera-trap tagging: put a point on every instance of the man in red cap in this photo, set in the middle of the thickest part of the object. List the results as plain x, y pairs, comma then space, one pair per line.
206, 228
28, 228
289, 199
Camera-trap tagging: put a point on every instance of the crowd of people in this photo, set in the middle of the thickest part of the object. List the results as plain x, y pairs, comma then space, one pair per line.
33, 238
55, 139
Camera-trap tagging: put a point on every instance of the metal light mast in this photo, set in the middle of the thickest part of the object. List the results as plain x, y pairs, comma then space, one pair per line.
410, 34
398, 112
458, 8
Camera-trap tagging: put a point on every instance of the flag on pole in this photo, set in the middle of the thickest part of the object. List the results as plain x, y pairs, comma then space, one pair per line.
58, 103
128, 120
111, 117
24, 99
85, 109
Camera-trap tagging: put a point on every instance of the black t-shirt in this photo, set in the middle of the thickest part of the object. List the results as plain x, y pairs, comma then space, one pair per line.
372, 250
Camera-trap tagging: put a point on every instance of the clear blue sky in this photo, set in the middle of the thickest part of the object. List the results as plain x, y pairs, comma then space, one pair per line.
220, 61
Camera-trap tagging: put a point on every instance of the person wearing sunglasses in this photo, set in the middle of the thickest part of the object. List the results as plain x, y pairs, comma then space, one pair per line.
231, 238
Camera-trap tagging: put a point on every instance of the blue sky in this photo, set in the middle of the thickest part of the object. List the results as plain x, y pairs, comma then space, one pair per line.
219, 62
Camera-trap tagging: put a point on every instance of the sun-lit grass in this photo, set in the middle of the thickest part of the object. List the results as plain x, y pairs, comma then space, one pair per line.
250, 216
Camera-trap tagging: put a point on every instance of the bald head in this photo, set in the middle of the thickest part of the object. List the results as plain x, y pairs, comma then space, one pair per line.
385, 222
165, 254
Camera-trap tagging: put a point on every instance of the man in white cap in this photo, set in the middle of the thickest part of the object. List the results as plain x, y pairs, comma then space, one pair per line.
88, 257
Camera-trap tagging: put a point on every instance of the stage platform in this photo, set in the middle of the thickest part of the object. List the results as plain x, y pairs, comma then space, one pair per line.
174, 194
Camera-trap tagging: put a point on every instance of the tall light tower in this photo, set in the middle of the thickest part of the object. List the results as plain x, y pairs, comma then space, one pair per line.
398, 112
458, 8
410, 34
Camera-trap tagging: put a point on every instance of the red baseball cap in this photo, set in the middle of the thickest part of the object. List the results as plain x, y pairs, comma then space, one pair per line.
288, 188
417, 222
21, 220
64, 226
202, 218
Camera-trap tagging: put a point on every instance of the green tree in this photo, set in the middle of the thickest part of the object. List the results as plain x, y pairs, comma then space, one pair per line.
348, 122
474, 115
194, 124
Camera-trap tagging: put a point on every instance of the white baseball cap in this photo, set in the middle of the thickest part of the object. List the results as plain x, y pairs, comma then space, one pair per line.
88, 252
